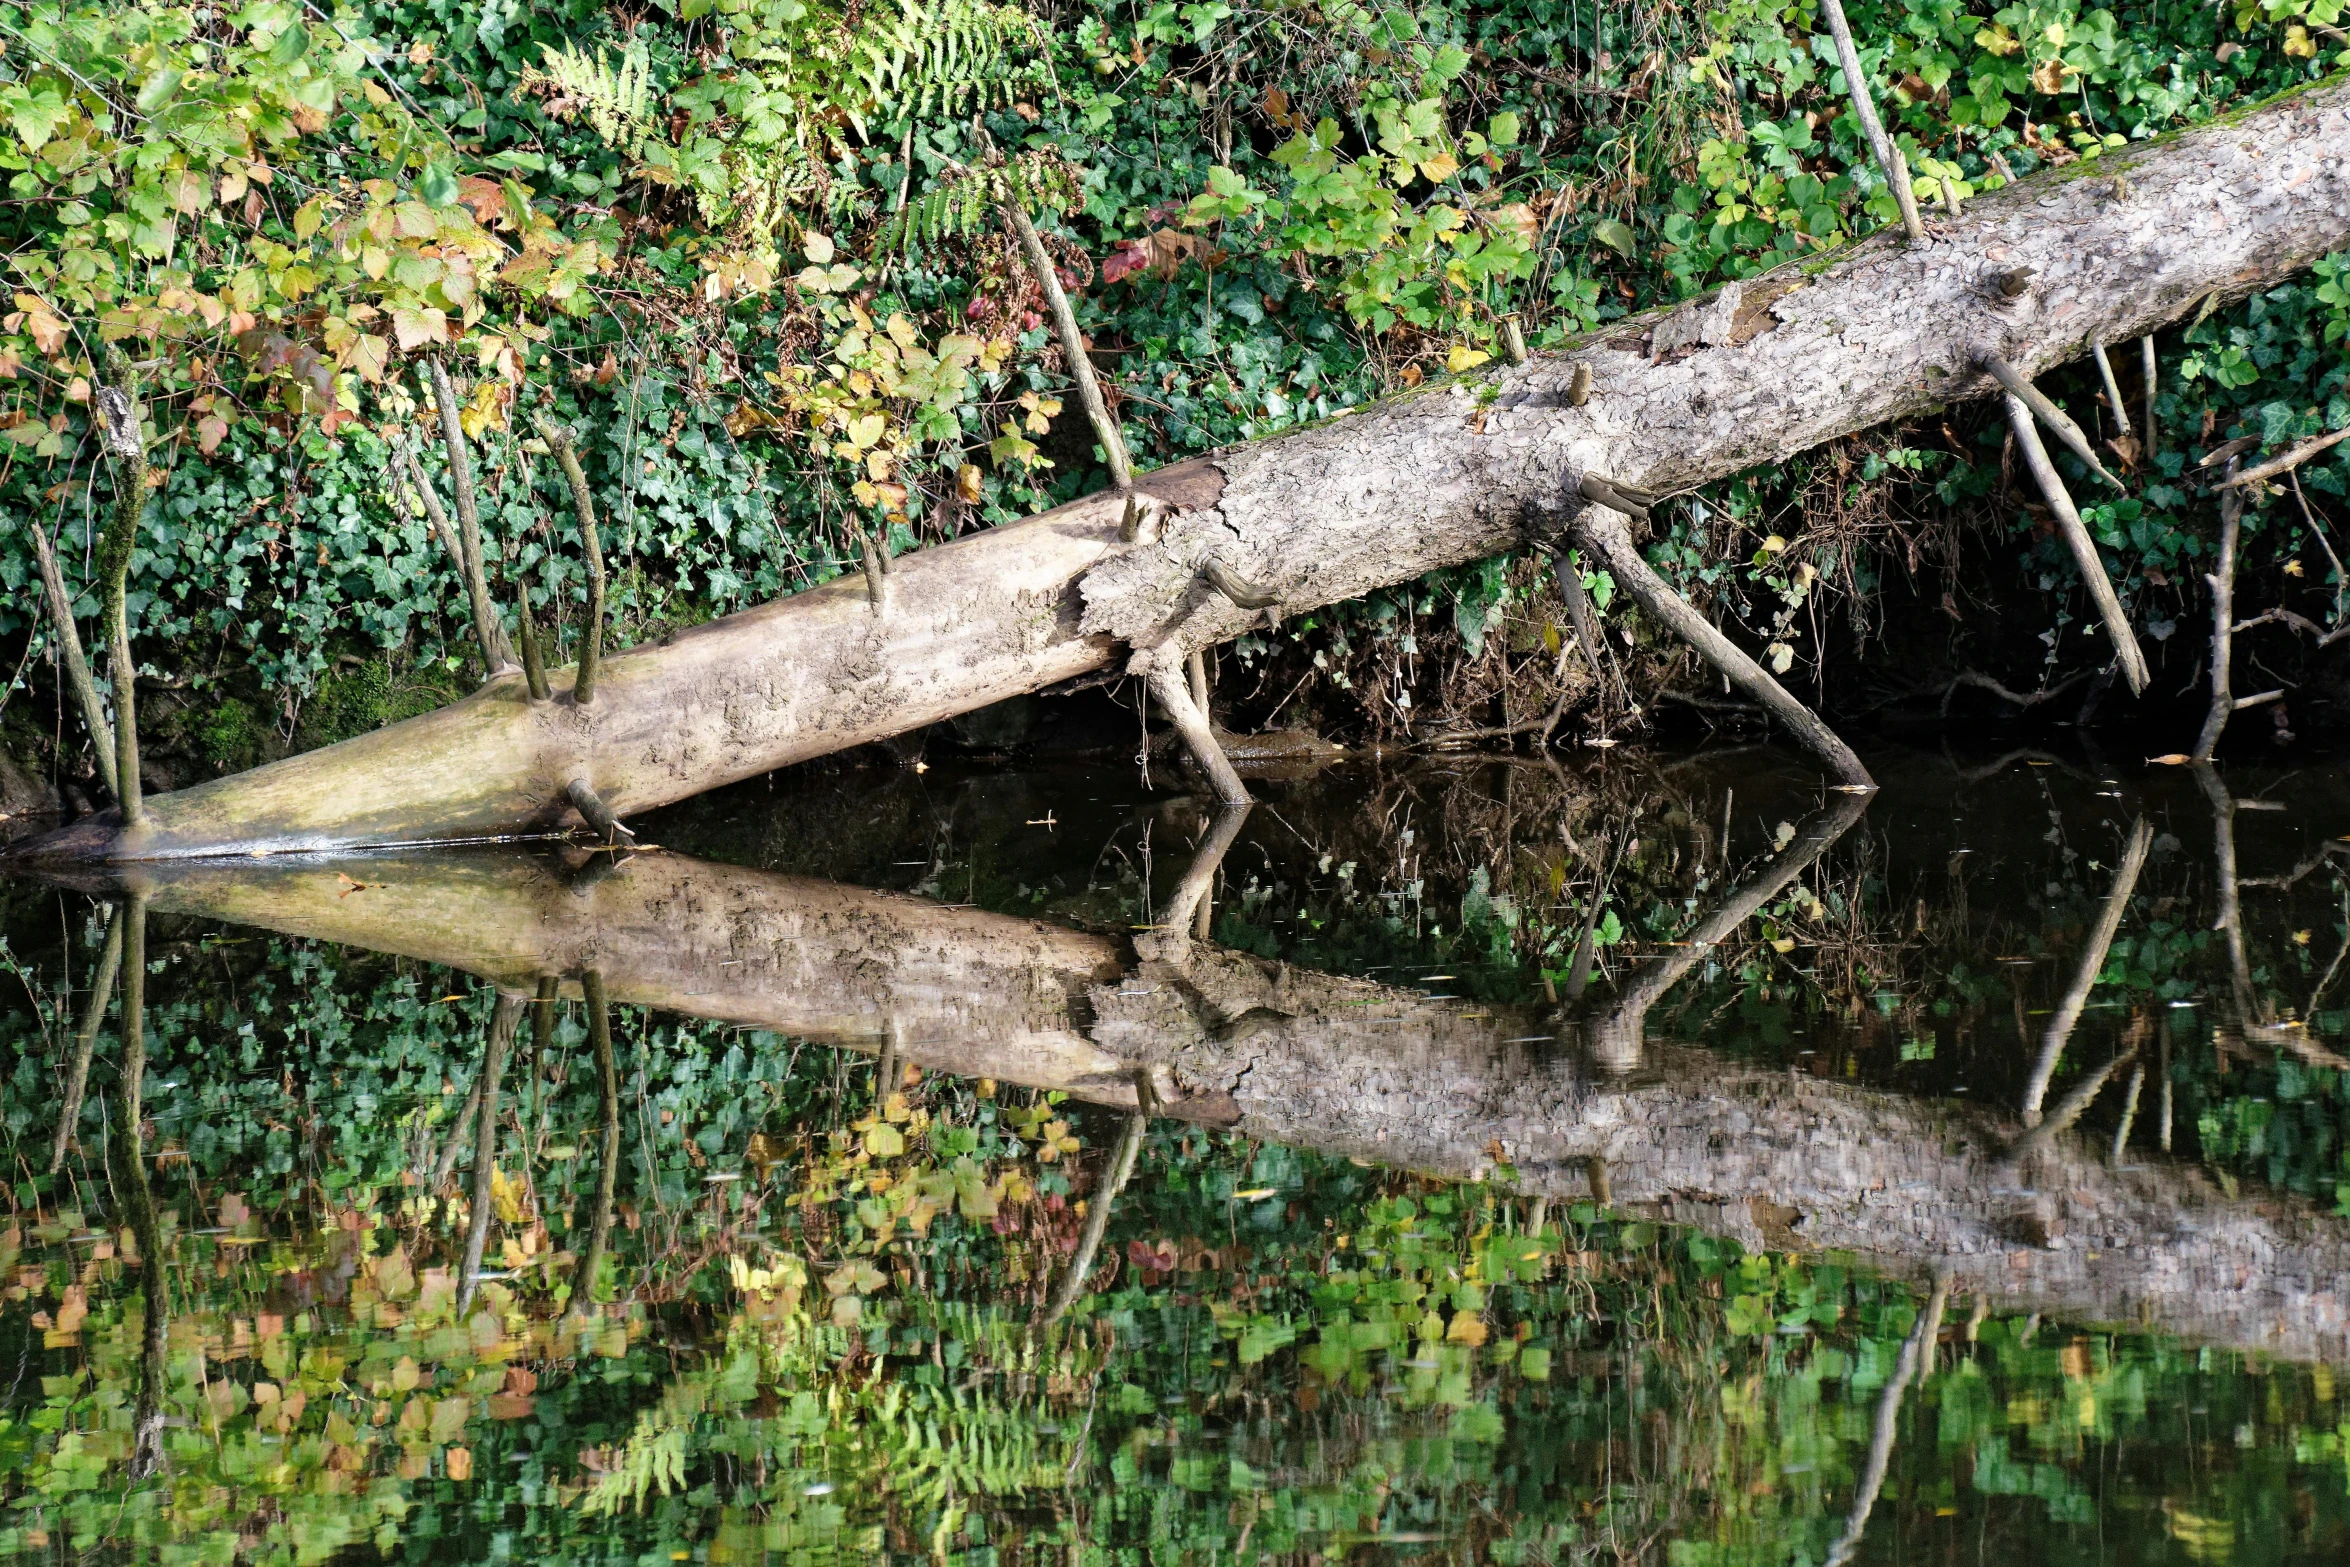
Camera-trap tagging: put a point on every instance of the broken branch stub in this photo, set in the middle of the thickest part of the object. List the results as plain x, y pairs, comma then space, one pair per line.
2076, 538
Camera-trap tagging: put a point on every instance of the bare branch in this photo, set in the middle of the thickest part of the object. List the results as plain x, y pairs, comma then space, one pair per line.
69, 648
2084, 548
2059, 423
497, 657
2292, 458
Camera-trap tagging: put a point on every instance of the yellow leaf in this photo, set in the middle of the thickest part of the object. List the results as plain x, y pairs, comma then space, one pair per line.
1467, 1328
818, 248
903, 330
309, 216
1783, 944
2298, 42
967, 480
2292, 568
1773, 545
460, 1461
2169, 759
1440, 168
864, 432
1998, 40
1463, 357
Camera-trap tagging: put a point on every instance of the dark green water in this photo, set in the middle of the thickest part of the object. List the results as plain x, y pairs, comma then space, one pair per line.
1845, 1205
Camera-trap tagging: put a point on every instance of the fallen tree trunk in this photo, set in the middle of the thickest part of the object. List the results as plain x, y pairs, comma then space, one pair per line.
1349, 1067
2032, 275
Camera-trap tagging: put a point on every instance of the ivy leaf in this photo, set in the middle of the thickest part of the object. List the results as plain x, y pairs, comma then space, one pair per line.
1616, 236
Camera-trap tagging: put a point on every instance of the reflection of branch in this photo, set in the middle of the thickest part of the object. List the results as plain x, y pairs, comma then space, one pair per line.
1189, 909
583, 1283
2092, 963
1617, 1038
1914, 1350
1097, 1221
138, 1199
85, 1041
2069, 1109
505, 1019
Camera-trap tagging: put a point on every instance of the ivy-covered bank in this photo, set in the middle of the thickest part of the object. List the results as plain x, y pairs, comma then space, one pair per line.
752, 254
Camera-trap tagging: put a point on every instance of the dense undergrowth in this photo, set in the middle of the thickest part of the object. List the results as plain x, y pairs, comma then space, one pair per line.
745, 249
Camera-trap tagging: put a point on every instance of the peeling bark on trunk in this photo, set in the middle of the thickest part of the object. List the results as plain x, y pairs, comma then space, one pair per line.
1456, 471
1353, 1068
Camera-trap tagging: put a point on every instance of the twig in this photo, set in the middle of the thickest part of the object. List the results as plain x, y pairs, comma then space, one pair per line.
1970, 677
505, 1019
2146, 367
599, 1020
597, 814
85, 1040
1168, 684
2292, 458
2084, 548
1915, 1350
1089, 392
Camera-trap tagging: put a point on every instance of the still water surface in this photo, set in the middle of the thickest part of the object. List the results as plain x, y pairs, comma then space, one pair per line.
1459, 1161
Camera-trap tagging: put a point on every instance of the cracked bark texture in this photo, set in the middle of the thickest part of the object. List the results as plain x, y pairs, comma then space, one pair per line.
1454, 472
1352, 1068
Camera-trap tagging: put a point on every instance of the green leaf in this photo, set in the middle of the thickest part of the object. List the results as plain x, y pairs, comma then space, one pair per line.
157, 90
1616, 236
438, 185
291, 45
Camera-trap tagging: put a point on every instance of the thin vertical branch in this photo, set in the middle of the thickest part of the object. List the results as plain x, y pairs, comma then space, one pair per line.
69, 648
2222, 580
2113, 388
1887, 155
1168, 684
583, 505
1916, 1352
119, 417
2146, 369
2076, 538
1089, 391
497, 657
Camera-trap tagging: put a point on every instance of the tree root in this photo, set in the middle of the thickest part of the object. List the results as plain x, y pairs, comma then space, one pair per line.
2076, 537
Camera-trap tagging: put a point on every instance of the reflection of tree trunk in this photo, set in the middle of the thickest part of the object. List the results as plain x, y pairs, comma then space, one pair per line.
1450, 473
1188, 910
505, 1021
591, 1263
2092, 964
85, 1041
1916, 1352
138, 1197
1097, 1220
1348, 1068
